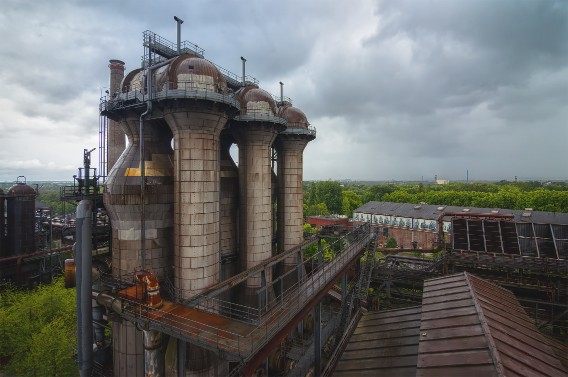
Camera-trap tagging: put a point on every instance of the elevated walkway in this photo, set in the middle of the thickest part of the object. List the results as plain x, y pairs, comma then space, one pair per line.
235, 339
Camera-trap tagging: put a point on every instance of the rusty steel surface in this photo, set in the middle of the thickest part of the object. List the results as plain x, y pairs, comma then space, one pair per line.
472, 327
383, 344
294, 116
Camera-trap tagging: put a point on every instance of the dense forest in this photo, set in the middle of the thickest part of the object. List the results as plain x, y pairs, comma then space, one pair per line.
331, 197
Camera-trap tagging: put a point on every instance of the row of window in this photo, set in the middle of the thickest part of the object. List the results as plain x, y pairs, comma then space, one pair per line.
401, 222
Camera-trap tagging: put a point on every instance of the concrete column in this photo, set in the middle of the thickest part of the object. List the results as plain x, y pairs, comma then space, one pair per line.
196, 182
127, 349
290, 199
255, 192
116, 140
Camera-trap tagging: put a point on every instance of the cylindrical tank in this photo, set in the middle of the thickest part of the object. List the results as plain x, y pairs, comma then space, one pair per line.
255, 129
122, 198
21, 219
290, 145
116, 139
2, 224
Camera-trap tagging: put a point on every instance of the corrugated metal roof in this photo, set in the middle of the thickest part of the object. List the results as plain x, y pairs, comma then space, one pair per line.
383, 344
432, 211
472, 327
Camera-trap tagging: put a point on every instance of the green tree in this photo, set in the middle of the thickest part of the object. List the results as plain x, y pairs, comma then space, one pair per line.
38, 331
350, 201
327, 192
391, 243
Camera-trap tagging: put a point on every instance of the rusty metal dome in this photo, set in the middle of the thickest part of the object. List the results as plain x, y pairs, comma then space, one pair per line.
195, 73
133, 81
294, 116
21, 189
256, 101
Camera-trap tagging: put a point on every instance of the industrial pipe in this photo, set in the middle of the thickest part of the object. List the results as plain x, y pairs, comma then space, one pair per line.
244, 61
84, 288
179, 22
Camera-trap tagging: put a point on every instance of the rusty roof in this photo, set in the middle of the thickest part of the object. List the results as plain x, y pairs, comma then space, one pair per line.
383, 344
472, 327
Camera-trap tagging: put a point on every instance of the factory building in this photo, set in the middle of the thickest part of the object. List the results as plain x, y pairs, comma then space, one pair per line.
534, 233
191, 215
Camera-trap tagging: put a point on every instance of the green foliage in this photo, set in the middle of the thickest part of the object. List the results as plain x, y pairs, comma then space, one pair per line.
391, 243
39, 330
327, 192
350, 201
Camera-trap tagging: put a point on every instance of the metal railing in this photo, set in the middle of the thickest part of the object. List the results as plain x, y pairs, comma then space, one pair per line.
269, 319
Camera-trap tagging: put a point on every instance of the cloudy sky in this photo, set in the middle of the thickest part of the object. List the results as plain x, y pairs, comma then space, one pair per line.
396, 89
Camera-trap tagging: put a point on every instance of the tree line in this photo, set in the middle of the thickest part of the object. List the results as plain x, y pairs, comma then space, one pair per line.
332, 197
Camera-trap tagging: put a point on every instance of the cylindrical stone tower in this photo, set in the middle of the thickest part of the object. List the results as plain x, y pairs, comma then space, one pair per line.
196, 121
290, 146
115, 135
255, 129
196, 107
123, 198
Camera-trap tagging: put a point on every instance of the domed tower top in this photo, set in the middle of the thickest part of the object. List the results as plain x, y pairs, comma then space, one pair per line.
191, 72
294, 116
133, 81
21, 189
256, 101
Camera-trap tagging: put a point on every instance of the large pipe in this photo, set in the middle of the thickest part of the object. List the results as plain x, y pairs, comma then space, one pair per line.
84, 288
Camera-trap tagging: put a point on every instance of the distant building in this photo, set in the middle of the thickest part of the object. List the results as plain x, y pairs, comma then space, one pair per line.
538, 233
319, 221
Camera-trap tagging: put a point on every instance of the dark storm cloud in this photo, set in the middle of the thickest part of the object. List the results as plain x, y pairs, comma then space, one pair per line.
397, 89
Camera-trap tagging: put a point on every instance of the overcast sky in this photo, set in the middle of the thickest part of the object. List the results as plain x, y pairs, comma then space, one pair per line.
396, 89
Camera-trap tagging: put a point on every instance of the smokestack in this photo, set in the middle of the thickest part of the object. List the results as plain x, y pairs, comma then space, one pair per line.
281, 92
244, 61
116, 138
179, 22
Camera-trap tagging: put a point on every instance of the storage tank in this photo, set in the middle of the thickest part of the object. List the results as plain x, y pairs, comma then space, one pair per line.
123, 199
116, 138
20, 203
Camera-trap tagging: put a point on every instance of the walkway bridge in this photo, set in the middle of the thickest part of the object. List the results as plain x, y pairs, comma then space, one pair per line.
236, 332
